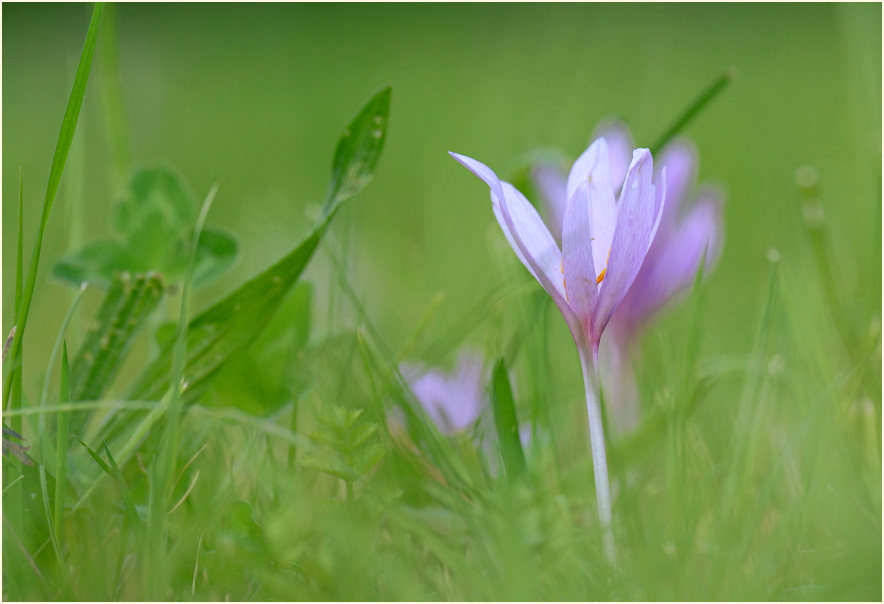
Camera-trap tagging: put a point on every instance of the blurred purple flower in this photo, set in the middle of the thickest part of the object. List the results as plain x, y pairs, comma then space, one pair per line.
453, 400
683, 236
604, 242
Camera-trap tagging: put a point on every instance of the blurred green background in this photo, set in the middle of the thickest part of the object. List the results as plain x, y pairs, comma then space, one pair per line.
254, 97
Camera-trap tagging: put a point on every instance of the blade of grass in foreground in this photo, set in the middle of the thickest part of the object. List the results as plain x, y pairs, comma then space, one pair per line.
61, 443
160, 472
15, 388
52, 522
62, 147
505, 420
19, 250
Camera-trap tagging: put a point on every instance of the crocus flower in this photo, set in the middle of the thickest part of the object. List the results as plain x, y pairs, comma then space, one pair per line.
453, 400
604, 242
682, 238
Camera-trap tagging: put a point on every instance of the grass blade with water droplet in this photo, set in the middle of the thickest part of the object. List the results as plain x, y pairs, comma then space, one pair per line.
358, 150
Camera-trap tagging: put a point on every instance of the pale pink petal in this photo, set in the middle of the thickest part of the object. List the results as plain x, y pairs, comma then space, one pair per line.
593, 168
534, 240
638, 215
603, 208
550, 184
524, 229
675, 267
592, 165
577, 257
620, 147
679, 159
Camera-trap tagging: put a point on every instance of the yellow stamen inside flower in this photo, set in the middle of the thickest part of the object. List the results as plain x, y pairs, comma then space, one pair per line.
604, 270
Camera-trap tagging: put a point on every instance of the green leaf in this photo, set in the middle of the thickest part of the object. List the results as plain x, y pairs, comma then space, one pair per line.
154, 219
157, 201
268, 374
236, 321
215, 253
227, 327
123, 311
95, 263
505, 420
359, 150
154, 224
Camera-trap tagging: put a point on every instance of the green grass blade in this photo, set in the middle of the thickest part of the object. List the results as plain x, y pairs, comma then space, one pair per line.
747, 414
62, 147
505, 420
161, 472
692, 345
19, 248
112, 469
56, 348
123, 311
53, 519
61, 445
115, 107
53, 537
695, 108
19, 257
180, 348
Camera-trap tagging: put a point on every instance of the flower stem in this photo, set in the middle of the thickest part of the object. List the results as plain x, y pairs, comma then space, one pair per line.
589, 362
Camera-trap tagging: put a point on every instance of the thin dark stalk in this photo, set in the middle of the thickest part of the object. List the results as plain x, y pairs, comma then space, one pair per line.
695, 108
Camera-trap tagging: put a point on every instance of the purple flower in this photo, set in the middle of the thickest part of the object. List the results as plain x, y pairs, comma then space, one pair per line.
684, 233
683, 236
453, 400
604, 242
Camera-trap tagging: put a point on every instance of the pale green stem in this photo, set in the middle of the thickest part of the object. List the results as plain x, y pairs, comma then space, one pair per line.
589, 362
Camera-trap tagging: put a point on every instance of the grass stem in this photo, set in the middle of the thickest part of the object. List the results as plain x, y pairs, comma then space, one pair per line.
695, 108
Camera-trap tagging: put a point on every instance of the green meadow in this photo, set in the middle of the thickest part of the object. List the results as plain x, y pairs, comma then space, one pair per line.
260, 201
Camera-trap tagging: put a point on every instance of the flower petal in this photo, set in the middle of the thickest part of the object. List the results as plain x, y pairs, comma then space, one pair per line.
524, 229
638, 215
700, 232
592, 165
679, 159
577, 257
533, 239
593, 168
551, 186
620, 147
674, 266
